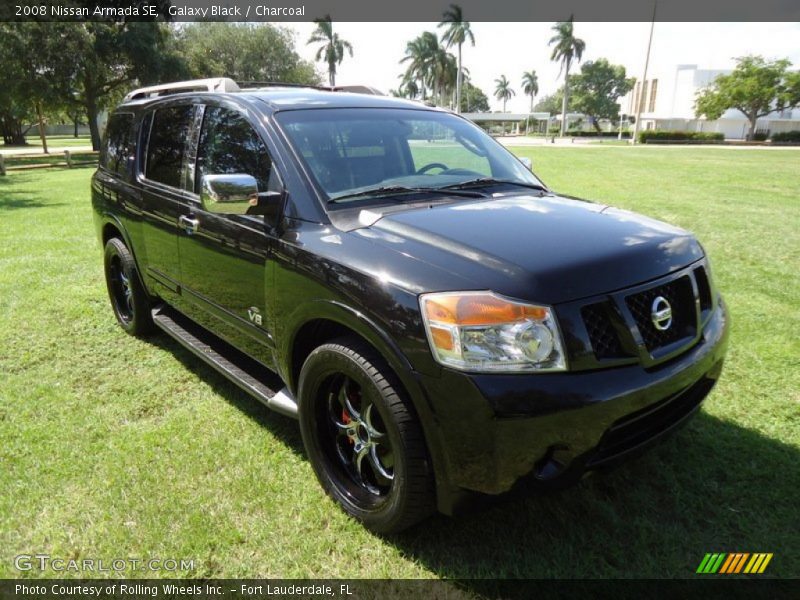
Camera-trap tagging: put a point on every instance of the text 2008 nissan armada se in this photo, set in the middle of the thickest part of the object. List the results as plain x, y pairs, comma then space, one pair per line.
443, 322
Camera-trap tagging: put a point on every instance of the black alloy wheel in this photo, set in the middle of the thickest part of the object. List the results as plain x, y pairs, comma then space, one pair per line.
362, 437
128, 298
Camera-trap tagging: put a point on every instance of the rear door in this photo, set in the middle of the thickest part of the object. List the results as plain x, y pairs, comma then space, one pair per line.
225, 258
167, 132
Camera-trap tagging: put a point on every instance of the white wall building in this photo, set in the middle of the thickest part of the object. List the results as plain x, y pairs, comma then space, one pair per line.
667, 103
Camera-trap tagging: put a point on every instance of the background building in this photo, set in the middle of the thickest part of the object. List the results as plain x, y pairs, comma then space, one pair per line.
667, 103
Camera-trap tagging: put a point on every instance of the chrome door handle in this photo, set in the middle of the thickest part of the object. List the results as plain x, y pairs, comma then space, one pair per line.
189, 225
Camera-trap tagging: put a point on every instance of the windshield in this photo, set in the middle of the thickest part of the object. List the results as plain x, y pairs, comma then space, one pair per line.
358, 154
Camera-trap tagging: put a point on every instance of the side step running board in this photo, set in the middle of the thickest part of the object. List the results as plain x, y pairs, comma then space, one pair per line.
239, 368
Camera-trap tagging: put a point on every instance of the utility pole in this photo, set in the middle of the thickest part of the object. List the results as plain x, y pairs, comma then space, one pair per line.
642, 88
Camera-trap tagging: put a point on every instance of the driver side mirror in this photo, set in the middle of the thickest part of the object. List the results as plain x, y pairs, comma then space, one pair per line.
237, 194
527, 162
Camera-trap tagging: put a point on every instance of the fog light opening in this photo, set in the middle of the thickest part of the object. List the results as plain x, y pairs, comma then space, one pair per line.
552, 464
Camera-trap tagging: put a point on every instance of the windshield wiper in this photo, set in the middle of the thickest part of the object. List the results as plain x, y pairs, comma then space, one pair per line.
385, 190
492, 181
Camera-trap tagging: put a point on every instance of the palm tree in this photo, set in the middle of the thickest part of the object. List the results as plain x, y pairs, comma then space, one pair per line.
410, 89
420, 53
567, 48
444, 69
333, 47
503, 90
530, 85
458, 31
431, 65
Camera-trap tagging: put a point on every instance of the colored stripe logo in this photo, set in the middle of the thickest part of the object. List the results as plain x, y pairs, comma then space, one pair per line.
734, 562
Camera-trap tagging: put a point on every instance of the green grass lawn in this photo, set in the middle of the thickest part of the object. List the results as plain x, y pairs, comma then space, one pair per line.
118, 447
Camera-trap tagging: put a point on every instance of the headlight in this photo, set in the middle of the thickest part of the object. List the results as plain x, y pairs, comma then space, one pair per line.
485, 332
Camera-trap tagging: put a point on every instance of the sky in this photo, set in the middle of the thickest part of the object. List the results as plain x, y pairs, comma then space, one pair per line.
512, 48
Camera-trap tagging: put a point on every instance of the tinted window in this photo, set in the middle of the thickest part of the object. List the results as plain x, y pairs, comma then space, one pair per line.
349, 151
229, 144
165, 150
118, 144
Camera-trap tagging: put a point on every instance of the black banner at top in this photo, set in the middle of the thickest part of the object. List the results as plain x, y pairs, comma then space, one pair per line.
405, 10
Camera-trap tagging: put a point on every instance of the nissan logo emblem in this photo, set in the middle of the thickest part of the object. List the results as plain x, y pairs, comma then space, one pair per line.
661, 313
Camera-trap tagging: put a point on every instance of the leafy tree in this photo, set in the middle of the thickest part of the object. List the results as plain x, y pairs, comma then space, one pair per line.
756, 87
503, 90
596, 89
333, 47
473, 99
112, 57
15, 111
530, 85
550, 103
567, 49
458, 31
244, 52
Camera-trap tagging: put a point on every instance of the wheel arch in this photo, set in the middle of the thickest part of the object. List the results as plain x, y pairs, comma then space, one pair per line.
322, 321
112, 227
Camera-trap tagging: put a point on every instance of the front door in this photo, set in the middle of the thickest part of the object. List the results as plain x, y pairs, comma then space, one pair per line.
225, 258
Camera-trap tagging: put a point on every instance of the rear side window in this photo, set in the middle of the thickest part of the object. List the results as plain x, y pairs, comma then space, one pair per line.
118, 145
166, 146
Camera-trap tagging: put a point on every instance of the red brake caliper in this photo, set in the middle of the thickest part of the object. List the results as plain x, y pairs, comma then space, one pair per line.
346, 420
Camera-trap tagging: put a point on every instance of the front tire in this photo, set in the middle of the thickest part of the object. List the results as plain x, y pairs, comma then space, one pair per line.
128, 297
362, 437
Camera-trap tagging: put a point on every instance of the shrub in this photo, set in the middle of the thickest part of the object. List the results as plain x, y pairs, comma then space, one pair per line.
605, 134
701, 137
760, 136
792, 137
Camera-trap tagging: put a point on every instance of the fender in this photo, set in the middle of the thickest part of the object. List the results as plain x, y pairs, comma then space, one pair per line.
107, 218
347, 316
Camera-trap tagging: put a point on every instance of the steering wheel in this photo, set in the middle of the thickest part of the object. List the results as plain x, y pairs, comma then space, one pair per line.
429, 166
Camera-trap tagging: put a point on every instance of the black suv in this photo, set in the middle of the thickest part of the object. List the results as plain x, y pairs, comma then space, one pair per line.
446, 326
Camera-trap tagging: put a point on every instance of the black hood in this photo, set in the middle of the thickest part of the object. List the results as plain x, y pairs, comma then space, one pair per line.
549, 249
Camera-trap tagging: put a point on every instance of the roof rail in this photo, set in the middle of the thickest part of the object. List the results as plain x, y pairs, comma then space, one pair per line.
357, 89
250, 85
216, 84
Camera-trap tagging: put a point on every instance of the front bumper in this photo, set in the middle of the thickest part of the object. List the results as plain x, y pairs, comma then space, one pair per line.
549, 429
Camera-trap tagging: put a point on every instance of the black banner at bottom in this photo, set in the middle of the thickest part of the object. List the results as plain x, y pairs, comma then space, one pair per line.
367, 589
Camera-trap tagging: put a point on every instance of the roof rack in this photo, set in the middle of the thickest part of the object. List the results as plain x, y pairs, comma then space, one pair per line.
225, 84
216, 84
250, 85
357, 89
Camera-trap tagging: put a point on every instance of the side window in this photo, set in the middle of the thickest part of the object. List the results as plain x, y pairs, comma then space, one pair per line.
166, 146
118, 145
229, 144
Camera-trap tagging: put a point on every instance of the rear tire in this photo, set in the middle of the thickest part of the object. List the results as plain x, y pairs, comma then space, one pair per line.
362, 437
128, 298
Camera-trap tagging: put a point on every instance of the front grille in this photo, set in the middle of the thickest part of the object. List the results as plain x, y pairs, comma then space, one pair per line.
680, 296
703, 288
604, 339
